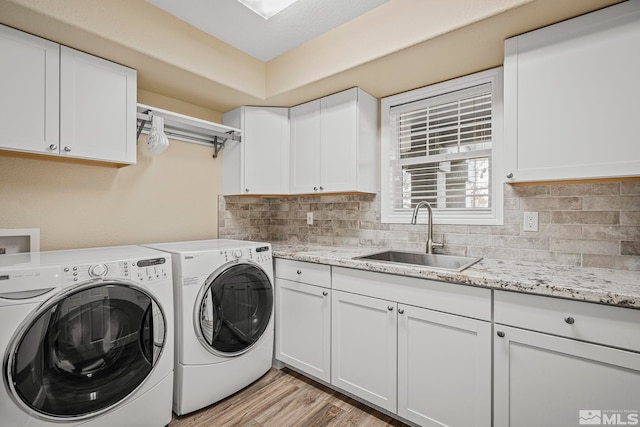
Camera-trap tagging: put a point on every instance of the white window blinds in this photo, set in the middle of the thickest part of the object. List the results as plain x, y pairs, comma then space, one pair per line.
440, 149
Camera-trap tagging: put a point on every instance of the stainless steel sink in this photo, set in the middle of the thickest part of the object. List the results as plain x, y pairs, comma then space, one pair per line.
434, 261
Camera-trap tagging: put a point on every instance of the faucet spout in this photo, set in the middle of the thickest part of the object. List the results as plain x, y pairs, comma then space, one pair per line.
414, 220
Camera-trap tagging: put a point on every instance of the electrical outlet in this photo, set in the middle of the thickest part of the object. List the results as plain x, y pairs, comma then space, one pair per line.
309, 218
530, 221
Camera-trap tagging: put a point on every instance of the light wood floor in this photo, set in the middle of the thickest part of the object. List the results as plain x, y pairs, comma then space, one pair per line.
284, 398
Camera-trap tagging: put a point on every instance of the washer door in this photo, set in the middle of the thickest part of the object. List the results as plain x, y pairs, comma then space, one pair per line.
86, 350
234, 308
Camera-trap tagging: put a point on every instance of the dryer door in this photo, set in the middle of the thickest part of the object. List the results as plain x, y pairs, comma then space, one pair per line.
86, 350
234, 308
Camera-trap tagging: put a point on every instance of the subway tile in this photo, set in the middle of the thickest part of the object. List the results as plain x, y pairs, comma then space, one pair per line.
585, 217
526, 191
587, 189
551, 204
630, 203
563, 231
630, 217
549, 257
611, 232
507, 229
631, 263
601, 203
511, 204
521, 242
602, 247
630, 187
630, 248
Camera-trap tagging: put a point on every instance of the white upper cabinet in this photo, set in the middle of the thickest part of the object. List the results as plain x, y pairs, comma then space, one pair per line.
260, 163
334, 144
571, 92
58, 101
29, 103
97, 108
305, 147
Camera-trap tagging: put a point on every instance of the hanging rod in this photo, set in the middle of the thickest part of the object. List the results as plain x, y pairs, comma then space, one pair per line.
188, 129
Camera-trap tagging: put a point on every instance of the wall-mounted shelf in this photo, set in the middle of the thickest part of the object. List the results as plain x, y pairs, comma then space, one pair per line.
186, 128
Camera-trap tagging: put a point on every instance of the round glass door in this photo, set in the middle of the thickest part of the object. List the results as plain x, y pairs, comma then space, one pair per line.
86, 350
235, 307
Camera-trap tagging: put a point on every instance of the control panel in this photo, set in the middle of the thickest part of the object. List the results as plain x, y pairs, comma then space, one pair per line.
260, 255
145, 270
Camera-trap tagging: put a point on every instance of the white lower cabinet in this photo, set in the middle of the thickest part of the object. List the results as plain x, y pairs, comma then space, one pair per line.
364, 348
427, 366
303, 328
444, 368
546, 373
303, 317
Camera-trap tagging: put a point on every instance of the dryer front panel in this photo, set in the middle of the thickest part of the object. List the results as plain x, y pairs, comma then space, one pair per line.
86, 350
234, 308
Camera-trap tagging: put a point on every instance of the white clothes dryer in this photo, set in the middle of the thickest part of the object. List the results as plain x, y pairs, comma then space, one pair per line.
224, 318
86, 338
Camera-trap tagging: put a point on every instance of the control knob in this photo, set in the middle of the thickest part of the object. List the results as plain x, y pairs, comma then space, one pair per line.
98, 270
237, 253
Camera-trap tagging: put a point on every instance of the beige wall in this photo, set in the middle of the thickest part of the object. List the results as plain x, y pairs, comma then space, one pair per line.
166, 197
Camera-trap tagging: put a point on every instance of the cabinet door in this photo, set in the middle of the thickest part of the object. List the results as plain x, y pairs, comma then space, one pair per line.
29, 104
265, 139
305, 148
97, 108
303, 328
543, 380
363, 348
339, 125
444, 368
571, 93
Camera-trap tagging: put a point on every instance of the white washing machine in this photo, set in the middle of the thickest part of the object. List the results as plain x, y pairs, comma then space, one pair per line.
224, 318
86, 338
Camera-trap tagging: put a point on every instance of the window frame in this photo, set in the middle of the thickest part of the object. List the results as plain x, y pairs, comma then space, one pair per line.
494, 215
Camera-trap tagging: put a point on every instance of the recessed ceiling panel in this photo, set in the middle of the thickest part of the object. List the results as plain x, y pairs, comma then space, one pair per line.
235, 24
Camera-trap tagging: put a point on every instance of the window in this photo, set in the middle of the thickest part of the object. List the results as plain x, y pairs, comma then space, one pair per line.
441, 143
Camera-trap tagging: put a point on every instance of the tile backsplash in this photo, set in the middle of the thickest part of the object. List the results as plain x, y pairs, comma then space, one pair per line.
585, 224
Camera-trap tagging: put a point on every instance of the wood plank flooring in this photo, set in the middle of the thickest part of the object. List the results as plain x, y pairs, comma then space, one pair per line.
284, 398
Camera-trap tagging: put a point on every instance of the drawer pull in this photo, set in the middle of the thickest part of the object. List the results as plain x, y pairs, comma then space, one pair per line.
325, 293
401, 310
501, 334
299, 272
390, 308
570, 320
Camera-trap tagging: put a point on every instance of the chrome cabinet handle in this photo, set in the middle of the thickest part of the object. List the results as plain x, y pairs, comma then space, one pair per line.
401, 310
510, 175
501, 334
67, 148
299, 272
570, 320
390, 308
325, 293
53, 147
321, 188
315, 188
246, 190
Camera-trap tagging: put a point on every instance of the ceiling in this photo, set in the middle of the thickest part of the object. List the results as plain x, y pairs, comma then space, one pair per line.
393, 47
264, 39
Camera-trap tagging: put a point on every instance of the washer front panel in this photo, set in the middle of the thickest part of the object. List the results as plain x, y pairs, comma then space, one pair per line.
85, 350
234, 308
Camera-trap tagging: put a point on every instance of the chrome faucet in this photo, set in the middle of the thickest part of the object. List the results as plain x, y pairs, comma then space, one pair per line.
414, 220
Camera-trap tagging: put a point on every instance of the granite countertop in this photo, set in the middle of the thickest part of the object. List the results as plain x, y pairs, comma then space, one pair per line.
612, 287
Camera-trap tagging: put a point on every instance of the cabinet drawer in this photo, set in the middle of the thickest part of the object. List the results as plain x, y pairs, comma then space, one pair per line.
601, 324
304, 272
451, 298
